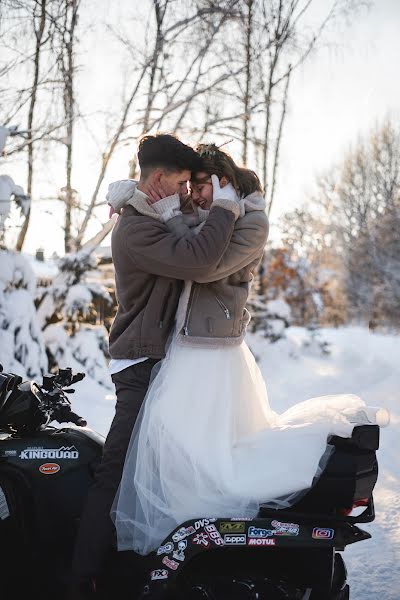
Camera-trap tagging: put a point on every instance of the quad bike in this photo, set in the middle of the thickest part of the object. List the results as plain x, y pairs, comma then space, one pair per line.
45, 473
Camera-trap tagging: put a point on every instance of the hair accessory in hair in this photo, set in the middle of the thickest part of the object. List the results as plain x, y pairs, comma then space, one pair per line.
207, 149
225, 143
211, 149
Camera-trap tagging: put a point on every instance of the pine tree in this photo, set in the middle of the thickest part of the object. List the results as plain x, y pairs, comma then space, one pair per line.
64, 310
22, 348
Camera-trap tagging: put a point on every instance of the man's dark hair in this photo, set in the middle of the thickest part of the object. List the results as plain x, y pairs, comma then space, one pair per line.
166, 151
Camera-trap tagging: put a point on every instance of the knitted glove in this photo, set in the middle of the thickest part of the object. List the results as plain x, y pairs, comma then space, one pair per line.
203, 214
119, 193
226, 197
168, 207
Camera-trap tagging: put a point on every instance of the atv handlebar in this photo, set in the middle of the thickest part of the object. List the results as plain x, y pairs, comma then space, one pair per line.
64, 414
27, 406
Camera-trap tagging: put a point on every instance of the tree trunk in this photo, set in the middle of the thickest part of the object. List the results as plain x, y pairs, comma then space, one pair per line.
69, 107
158, 46
278, 142
39, 36
248, 49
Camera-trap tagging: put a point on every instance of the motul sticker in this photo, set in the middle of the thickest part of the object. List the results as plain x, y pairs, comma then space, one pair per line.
40, 453
4, 511
261, 542
49, 468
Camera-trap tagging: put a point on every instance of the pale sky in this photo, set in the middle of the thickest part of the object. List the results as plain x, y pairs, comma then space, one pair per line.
339, 94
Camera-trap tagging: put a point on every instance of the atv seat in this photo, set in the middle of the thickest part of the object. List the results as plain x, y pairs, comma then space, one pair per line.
349, 477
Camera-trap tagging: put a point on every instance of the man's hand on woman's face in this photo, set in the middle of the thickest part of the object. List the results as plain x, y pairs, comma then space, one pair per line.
156, 191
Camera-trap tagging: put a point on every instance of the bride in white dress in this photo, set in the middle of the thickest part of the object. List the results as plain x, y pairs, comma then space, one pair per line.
207, 443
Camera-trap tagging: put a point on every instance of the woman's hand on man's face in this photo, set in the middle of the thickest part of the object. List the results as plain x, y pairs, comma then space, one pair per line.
225, 192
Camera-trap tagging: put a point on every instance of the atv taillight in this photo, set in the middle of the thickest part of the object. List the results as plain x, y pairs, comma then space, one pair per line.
346, 511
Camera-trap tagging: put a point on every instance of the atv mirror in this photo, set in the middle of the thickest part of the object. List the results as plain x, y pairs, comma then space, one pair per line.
64, 376
48, 382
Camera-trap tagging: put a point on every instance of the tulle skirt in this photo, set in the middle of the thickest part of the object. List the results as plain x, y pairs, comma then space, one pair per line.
207, 444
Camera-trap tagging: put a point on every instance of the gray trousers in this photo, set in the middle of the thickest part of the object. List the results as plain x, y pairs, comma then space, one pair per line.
96, 530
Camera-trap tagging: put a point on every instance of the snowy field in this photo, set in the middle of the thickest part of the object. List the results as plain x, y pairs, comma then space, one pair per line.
360, 363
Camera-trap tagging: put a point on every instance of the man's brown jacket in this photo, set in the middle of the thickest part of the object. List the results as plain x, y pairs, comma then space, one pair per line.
150, 266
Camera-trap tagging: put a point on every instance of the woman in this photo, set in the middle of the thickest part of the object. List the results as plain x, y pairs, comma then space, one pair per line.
206, 443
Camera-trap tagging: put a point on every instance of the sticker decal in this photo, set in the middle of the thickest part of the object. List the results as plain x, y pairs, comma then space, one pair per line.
285, 528
168, 562
182, 533
259, 532
323, 533
261, 542
179, 554
166, 549
202, 522
232, 527
202, 539
49, 468
235, 539
159, 574
214, 535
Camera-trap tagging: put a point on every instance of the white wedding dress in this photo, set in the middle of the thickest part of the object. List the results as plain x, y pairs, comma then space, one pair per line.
207, 444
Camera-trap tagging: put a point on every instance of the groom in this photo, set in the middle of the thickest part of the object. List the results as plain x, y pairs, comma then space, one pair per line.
150, 266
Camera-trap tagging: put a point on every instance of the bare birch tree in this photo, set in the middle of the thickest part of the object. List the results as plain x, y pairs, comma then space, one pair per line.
269, 39
66, 29
28, 30
159, 94
39, 22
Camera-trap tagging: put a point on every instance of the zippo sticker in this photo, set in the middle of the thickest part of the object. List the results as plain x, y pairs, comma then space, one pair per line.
235, 539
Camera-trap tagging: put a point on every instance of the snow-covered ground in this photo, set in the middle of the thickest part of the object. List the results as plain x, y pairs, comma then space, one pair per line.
360, 363
367, 365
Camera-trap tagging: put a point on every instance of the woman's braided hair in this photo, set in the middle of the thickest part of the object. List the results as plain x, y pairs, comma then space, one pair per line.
218, 162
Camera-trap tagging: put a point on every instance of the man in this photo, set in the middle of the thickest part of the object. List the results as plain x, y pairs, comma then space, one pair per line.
150, 265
